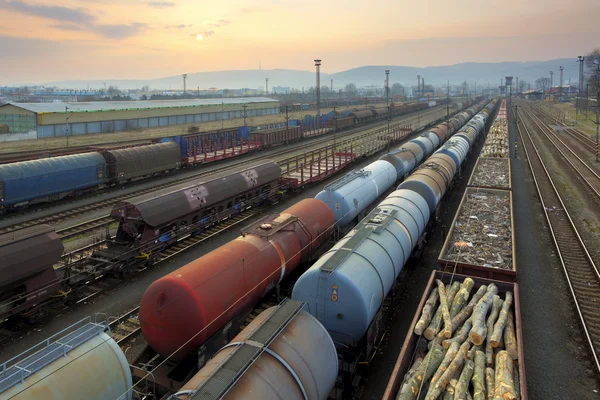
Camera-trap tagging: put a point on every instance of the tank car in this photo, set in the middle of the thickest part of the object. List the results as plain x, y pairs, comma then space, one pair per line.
182, 310
284, 353
80, 362
350, 195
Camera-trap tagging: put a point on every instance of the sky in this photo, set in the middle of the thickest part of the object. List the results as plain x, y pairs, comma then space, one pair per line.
52, 40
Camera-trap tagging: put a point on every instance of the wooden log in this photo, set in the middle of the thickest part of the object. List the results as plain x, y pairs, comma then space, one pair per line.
460, 337
489, 383
427, 314
450, 390
504, 386
516, 380
436, 322
462, 387
413, 369
501, 322
437, 388
466, 312
430, 364
462, 296
450, 353
479, 391
489, 352
479, 329
445, 309
437, 341
510, 337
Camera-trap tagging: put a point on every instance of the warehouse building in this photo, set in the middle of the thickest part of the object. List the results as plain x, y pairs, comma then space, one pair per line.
43, 120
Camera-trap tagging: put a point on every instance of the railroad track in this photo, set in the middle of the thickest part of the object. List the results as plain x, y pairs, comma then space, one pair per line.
576, 134
125, 327
580, 166
312, 144
580, 270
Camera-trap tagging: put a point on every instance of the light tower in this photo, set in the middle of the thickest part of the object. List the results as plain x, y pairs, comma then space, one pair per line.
418, 86
184, 79
266, 86
318, 66
561, 83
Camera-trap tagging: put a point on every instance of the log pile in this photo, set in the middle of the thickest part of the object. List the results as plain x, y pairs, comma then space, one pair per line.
482, 233
480, 360
496, 143
491, 172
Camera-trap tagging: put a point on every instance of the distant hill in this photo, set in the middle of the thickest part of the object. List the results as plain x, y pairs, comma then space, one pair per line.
480, 73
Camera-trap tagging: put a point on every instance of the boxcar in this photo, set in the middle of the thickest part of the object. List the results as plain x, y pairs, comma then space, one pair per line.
49, 179
136, 162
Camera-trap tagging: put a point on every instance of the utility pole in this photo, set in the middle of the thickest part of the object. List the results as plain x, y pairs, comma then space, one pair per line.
198, 91
184, 82
387, 88
67, 124
318, 67
580, 60
266, 86
222, 114
597, 64
551, 84
448, 102
244, 115
560, 88
334, 127
517, 86
287, 126
331, 89
418, 86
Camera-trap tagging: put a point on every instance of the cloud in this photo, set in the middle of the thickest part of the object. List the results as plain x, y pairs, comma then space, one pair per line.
219, 23
207, 33
180, 26
66, 27
119, 31
59, 13
160, 4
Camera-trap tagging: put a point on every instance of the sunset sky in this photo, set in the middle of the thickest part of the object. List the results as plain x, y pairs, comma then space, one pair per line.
42, 41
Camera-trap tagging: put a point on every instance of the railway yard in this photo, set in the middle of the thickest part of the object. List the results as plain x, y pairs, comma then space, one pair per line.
432, 252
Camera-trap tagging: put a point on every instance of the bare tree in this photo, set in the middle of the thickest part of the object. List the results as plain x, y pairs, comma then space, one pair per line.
542, 83
397, 89
113, 90
350, 89
145, 88
592, 66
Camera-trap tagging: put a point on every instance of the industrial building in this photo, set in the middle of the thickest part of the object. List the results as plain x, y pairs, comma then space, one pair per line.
43, 120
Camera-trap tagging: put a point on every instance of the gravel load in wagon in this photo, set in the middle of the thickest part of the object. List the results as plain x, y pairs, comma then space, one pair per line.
480, 241
491, 173
465, 341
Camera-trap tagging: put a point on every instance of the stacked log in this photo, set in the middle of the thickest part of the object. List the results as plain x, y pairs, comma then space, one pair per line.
480, 359
496, 143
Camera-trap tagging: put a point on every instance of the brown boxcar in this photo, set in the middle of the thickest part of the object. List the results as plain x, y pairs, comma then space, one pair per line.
140, 161
27, 275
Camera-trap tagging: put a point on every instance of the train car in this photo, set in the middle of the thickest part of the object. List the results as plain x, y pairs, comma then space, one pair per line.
130, 163
202, 303
284, 353
350, 195
50, 179
149, 222
362, 115
416, 347
27, 276
80, 362
277, 136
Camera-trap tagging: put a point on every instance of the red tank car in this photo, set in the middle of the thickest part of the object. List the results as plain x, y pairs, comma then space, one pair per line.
225, 283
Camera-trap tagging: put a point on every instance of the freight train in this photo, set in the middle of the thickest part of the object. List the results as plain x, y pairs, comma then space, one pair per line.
50, 179
201, 306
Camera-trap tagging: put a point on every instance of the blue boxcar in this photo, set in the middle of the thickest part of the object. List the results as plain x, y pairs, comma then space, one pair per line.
50, 178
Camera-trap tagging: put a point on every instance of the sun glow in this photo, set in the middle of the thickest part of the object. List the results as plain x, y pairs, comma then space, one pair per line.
199, 37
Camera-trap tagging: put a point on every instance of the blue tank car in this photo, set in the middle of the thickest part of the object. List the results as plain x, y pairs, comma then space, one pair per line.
345, 288
350, 195
50, 179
